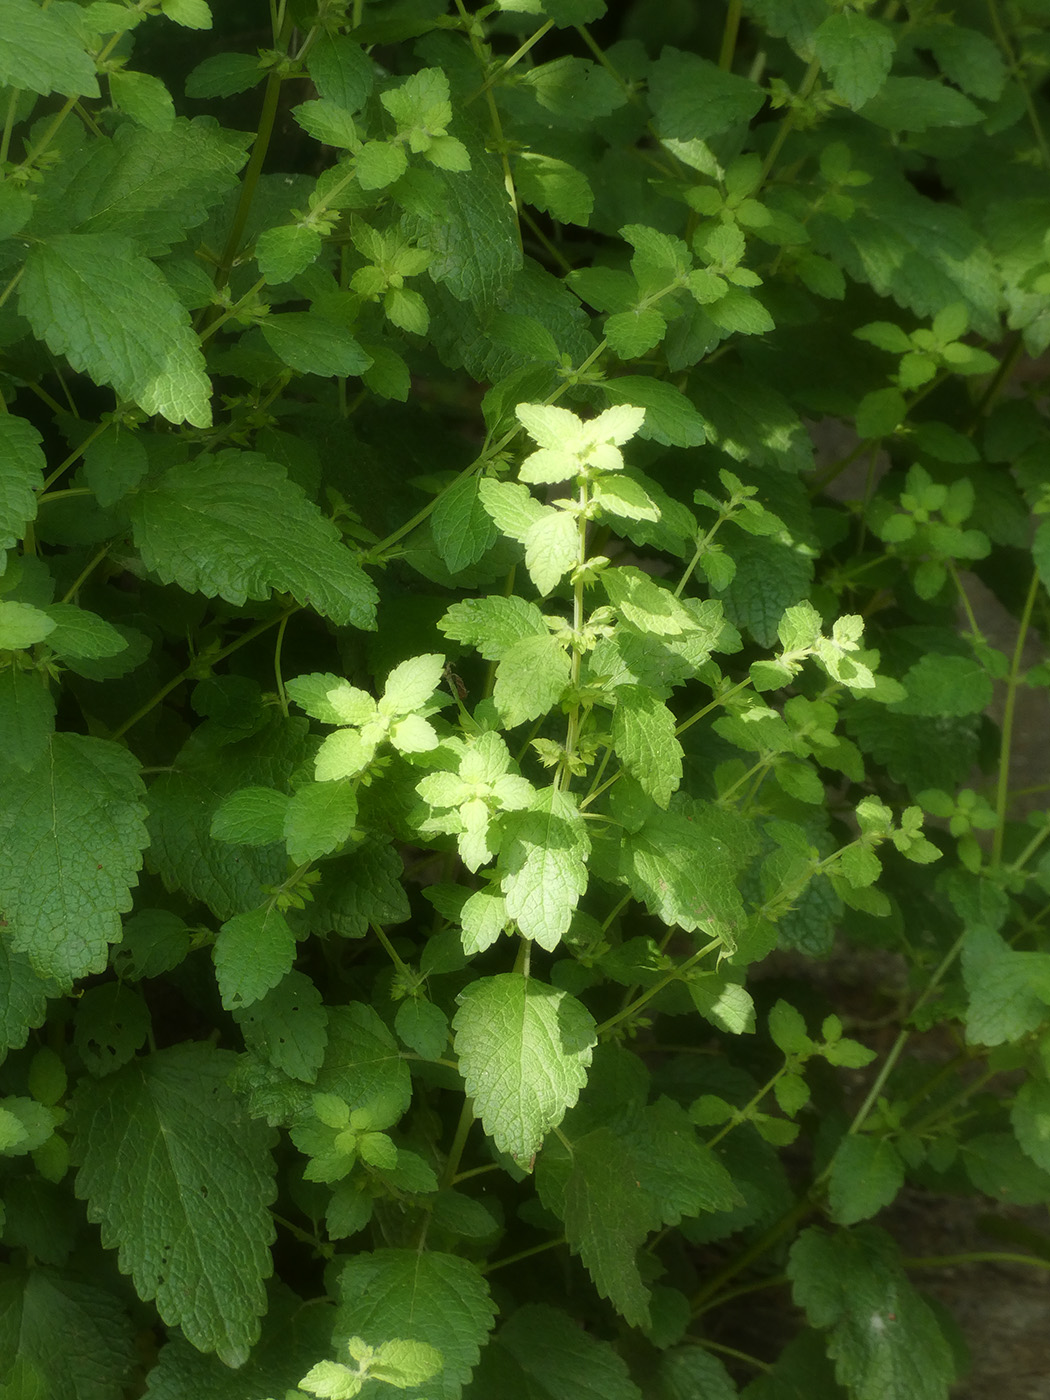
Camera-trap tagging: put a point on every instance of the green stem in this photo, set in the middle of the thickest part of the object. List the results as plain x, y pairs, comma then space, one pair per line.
391, 951
9, 124
459, 1142
522, 1254
787, 124
282, 694
729, 35
977, 1256
673, 976
1006, 741
88, 569
746, 1357
516, 57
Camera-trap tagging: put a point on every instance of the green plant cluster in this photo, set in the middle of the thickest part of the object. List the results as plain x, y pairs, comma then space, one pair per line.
499, 506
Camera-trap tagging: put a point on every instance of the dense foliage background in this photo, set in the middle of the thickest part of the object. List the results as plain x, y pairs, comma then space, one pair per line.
498, 506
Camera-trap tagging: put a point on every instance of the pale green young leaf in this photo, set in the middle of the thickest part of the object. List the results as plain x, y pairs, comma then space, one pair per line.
191, 14
144, 98
523, 1051
22, 626
623, 497
232, 524
314, 694
169, 1163
283, 253
550, 426
693, 99
552, 548
411, 684
659, 261
511, 507
253, 952
341, 70
72, 829
406, 309
27, 716
318, 819
483, 919
403, 1364
22, 466
410, 1295
866, 1174
344, 754
379, 163
856, 52
252, 816
644, 603
331, 1380
644, 739
463, 529
288, 1027
96, 300
412, 734
69, 1332
531, 678
884, 1338
41, 50
543, 862
723, 1002
493, 625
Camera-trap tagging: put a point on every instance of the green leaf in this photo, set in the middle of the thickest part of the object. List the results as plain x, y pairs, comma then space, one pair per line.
363, 1064
693, 99
22, 626
554, 186
96, 300
328, 123
169, 1163
966, 57
917, 104
114, 464
463, 529
645, 604
79, 635
253, 952
341, 70
632, 333
553, 1359
411, 684
866, 1174
575, 89
233, 525
224, 75
112, 1023
552, 548
530, 679
880, 413
543, 860
282, 254
523, 1051
687, 1372
644, 738
1030, 1119
856, 52
288, 1027
23, 997
22, 465
310, 344
41, 50
670, 419
144, 98
493, 625
945, 685
72, 1334
252, 816
319, 819
191, 14
418, 1296
423, 1027
72, 829
884, 1339
1009, 991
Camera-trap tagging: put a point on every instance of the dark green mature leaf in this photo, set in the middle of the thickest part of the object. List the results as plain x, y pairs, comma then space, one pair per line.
418, 1296
294, 1335
945, 685
21, 475
27, 717
41, 50
310, 344
23, 998
866, 1174
150, 186
1030, 1119
644, 738
253, 952
545, 1355
523, 1052
916, 104
688, 1372
215, 762
95, 299
288, 1027
73, 831
463, 528
341, 71
1009, 990
884, 1339
76, 1336
693, 99
363, 1063
169, 1164
234, 525
857, 52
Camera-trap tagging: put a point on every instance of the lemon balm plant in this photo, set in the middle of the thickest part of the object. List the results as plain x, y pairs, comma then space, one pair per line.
499, 503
